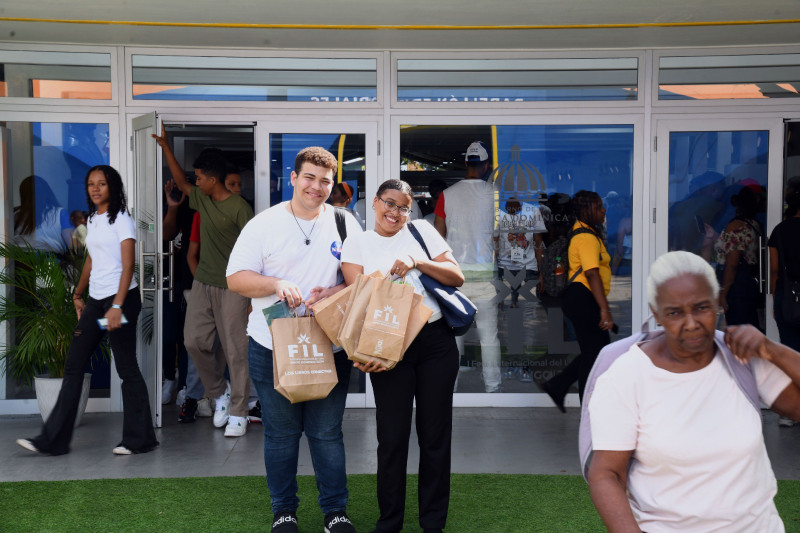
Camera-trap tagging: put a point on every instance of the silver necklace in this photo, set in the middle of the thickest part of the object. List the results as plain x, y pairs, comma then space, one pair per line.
308, 237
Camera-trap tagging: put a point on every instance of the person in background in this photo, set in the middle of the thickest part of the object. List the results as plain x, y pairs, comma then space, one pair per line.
212, 310
784, 263
427, 372
113, 297
677, 444
435, 188
77, 242
290, 252
737, 252
519, 242
584, 301
341, 195
465, 218
39, 220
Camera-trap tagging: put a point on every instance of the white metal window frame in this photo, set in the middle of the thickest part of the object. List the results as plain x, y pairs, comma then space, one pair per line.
14, 406
640, 55
640, 189
218, 52
734, 104
113, 51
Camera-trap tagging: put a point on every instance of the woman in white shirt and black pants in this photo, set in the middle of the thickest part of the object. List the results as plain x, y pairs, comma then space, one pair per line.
108, 272
428, 370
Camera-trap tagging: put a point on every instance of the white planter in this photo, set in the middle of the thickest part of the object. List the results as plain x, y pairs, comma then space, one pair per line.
47, 390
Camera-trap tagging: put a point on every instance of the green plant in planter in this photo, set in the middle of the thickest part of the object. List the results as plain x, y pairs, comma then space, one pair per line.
38, 301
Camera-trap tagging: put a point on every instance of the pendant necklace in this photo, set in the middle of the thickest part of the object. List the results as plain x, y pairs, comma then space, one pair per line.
308, 237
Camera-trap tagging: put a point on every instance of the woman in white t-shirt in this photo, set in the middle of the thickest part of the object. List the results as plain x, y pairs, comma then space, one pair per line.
428, 370
114, 300
677, 445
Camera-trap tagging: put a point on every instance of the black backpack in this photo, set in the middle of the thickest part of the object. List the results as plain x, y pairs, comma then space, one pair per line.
558, 248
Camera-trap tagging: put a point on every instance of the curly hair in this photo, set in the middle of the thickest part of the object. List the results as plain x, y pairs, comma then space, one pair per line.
317, 156
117, 202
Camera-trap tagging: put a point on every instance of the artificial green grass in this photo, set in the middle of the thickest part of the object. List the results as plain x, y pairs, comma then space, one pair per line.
479, 503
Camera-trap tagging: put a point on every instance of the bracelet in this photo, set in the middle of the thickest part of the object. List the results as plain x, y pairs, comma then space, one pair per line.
116, 306
415, 263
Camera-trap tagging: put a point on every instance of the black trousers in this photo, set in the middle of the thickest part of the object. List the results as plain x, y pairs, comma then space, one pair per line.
428, 373
137, 427
580, 307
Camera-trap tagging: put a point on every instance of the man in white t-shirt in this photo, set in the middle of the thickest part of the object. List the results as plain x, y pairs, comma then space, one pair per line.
291, 252
465, 217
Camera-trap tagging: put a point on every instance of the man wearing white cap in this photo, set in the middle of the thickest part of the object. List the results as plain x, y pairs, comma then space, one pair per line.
465, 217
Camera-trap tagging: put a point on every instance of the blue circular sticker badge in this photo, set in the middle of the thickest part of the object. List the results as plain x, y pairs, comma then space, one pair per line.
336, 250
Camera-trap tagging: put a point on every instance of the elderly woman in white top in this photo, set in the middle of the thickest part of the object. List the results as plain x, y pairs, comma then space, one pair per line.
677, 444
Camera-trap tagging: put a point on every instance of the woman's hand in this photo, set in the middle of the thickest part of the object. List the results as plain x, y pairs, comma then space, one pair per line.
79, 305
320, 293
746, 341
401, 267
606, 320
114, 317
372, 366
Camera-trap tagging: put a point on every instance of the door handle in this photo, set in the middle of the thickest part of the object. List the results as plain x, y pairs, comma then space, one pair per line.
171, 276
142, 255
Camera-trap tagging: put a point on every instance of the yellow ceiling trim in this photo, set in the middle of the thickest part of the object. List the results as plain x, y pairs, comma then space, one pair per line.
438, 27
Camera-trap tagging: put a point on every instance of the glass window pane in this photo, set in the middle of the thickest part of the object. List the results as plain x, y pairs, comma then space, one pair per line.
47, 164
729, 77
269, 79
349, 150
534, 171
717, 205
516, 80
68, 75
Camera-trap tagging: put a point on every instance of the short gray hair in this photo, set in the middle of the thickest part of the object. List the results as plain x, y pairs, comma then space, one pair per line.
675, 264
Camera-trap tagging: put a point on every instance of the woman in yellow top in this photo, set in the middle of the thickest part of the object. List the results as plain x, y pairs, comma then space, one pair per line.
584, 299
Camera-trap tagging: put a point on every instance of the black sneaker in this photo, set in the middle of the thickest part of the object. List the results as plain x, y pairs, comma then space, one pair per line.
338, 522
254, 415
284, 522
188, 412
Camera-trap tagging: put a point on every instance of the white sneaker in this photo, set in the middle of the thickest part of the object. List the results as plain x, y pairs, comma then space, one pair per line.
168, 390
221, 412
28, 445
204, 407
121, 450
237, 426
181, 397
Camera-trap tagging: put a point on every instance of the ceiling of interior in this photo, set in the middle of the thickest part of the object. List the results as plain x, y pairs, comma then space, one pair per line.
550, 24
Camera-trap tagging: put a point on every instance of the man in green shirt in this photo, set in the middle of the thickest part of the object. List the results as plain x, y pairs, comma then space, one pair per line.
213, 310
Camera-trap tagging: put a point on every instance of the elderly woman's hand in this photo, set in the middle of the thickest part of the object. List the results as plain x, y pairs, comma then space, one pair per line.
746, 341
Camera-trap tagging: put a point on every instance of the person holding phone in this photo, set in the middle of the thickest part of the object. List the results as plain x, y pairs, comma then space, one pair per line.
113, 296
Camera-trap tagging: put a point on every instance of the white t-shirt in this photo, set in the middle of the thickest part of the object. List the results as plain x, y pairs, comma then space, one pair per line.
374, 252
103, 242
469, 215
699, 460
516, 247
271, 244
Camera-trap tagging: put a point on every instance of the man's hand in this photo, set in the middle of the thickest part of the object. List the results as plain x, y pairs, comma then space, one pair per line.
168, 188
288, 292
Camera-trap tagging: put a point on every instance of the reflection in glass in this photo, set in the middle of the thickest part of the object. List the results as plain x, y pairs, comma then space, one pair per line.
717, 209
67, 75
532, 173
47, 164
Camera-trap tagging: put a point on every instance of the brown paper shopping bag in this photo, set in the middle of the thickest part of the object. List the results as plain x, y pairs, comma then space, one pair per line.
420, 314
302, 359
355, 310
386, 320
329, 313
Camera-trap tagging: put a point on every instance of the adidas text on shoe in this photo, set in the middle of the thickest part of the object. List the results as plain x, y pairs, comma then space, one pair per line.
188, 412
204, 408
284, 522
338, 522
237, 426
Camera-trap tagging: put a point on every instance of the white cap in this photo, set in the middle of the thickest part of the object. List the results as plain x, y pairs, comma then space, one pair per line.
476, 152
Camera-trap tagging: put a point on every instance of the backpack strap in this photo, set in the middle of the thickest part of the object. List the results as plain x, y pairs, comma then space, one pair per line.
570, 235
341, 224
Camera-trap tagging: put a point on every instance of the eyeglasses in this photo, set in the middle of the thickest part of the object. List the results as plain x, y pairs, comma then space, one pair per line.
392, 207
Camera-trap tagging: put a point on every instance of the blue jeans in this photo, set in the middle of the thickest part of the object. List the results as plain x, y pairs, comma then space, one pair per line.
284, 423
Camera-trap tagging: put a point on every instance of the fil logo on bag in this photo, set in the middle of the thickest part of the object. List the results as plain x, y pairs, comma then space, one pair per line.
386, 317
304, 343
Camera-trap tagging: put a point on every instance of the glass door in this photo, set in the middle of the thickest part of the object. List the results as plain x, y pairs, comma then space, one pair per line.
150, 257
355, 146
718, 188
